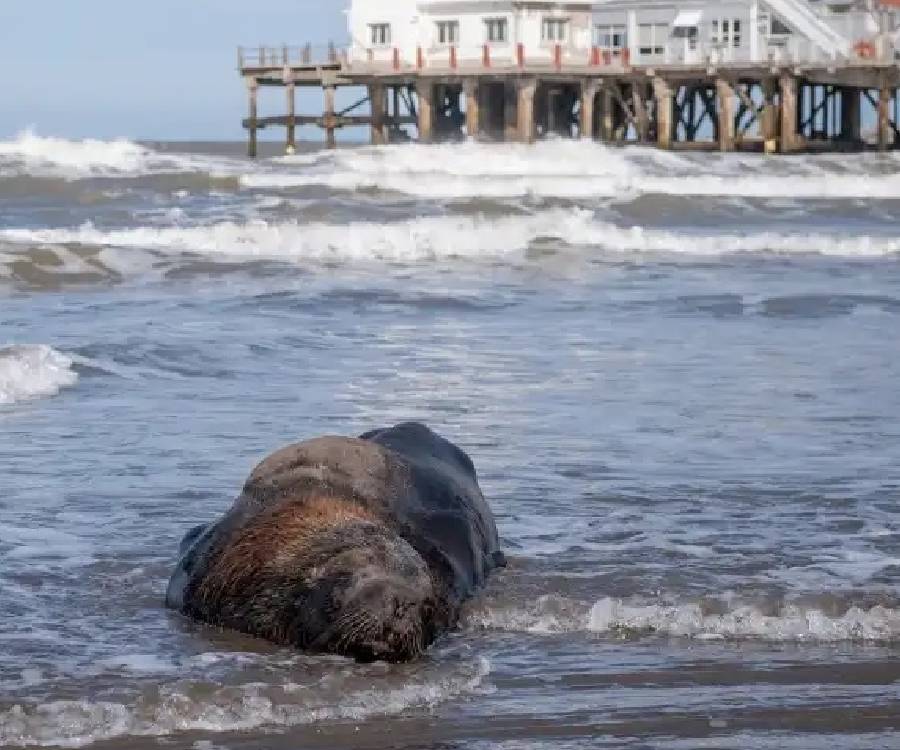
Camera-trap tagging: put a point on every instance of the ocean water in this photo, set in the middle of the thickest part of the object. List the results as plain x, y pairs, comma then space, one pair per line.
678, 376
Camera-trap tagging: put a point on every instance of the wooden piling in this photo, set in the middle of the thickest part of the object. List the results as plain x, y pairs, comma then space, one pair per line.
588, 97
473, 120
607, 115
291, 135
789, 140
425, 96
884, 117
527, 91
376, 104
725, 97
252, 88
662, 92
510, 112
768, 125
330, 116
641, 115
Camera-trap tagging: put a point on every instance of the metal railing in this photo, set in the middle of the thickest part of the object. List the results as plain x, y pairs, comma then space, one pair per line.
505, 56
279, 57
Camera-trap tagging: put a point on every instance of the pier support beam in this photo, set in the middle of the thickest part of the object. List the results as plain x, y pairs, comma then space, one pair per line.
290, 145
527, 91
851, 120
725, 96
588, 97
330, 116
607, 114
377, 102
425, 96
789, 140
662, 91
884, 117
252, 89
510, 112
473, 119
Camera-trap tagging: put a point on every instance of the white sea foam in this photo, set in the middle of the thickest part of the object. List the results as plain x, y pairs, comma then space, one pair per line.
452, 236
790, 623
42, 156
572, 169
238, 708
31, 372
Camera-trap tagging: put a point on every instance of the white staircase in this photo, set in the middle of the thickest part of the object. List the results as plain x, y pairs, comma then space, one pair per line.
800, 16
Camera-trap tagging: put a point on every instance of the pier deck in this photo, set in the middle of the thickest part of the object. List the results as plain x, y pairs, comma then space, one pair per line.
783, 107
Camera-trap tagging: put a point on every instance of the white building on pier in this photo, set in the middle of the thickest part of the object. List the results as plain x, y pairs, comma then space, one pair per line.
506, 33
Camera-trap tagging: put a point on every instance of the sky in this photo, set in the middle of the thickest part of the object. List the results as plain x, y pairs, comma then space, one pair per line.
146, 69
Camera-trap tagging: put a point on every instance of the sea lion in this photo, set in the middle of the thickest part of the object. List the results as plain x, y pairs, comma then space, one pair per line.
364, 547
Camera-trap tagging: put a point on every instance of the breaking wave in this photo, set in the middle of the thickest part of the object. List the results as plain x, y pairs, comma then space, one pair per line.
787, 622
32, 372
469, 236
46, 157
179, 708
577, 169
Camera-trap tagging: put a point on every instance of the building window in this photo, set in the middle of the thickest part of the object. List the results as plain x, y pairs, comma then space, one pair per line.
448, 32
652, 39
726, 33
555, 30
614, 38
496, 30
380, 34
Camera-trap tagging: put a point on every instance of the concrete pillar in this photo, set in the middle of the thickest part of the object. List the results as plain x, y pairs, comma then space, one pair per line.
291, 137
665, 103
789, 140
473, 118
329, 116
607, 116
425, 95
851, 120
588, 97
377, 102
768, 125
252, 88
527, 91
725, 97
884, 118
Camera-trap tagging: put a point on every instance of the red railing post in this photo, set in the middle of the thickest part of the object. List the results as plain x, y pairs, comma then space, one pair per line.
486, 56
396, 59
607, 57
453, 58
557, 55
595, 55
520, 54
626, 57
420, 58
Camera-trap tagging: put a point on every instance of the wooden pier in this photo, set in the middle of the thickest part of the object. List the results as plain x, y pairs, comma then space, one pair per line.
773, 107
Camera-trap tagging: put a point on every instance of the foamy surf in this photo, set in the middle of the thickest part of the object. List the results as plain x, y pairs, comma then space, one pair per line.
788, 622
451, 236
178, 708
578, 170
33, 372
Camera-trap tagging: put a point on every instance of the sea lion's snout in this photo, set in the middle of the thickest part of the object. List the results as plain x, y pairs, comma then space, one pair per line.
390, 622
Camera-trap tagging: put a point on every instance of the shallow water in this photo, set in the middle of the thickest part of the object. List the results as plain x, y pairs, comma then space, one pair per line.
677, 376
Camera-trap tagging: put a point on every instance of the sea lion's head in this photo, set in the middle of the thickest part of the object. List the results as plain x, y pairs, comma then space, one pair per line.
376, 595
